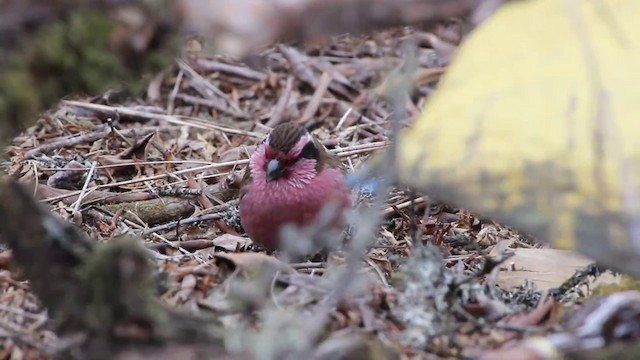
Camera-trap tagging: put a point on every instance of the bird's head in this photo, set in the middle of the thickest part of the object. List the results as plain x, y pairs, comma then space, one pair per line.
289, 154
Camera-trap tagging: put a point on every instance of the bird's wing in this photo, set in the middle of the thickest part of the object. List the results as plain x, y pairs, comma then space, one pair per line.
325, 158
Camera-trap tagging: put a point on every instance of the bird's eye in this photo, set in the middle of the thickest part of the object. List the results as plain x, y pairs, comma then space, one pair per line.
309, 151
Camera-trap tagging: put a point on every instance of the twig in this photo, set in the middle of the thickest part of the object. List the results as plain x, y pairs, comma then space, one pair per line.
211, 103
343, 118
316, 99
361, 148
298, 66
340, 84
155, 162
189, 121
405, 204
208, 89
48, 194
377, 270
35, 176
278, 111
174, 92
188, 245
174, 224
78, 202
180, 248
210, 65
81, 139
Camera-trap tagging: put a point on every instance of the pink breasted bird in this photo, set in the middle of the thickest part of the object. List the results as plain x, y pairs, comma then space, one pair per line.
289, 180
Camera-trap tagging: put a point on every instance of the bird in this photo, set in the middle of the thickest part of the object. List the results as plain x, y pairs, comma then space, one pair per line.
289, 180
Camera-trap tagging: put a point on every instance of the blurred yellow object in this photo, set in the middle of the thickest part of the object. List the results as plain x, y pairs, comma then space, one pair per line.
536, 124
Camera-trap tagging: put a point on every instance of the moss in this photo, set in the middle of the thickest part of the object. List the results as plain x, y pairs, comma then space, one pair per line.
626, 283
115, 284
397, 280
18, 95
74, 55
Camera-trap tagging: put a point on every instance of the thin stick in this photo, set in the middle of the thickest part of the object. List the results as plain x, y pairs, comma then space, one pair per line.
181, 249
316, 99
175, 224
174, 92
210, 65
78, 202
278, 112
391, 209
131, 163
171, 119
212, 88
343, 118
86, 138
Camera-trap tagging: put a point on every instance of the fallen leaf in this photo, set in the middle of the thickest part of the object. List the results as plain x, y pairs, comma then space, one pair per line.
231, 242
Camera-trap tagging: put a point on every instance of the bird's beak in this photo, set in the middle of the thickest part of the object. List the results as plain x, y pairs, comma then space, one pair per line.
274, 170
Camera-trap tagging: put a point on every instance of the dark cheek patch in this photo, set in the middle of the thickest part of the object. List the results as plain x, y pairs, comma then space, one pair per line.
309, 151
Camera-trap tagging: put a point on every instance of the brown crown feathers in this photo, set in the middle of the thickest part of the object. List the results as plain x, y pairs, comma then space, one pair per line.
285, 136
